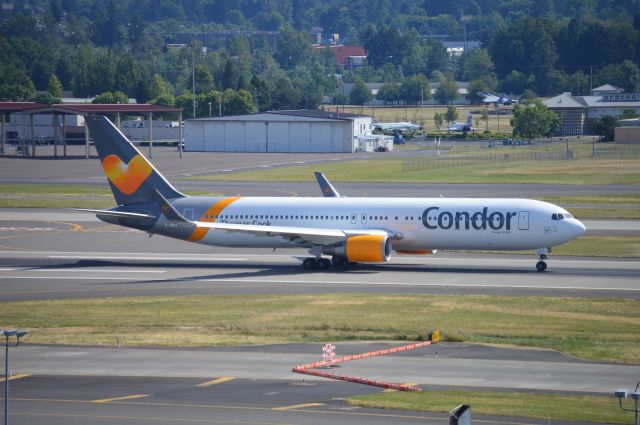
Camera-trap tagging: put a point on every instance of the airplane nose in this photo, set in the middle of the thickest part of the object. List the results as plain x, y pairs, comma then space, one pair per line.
580, 228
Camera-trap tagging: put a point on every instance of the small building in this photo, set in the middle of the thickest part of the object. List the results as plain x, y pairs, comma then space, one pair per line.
278, 131
628, 131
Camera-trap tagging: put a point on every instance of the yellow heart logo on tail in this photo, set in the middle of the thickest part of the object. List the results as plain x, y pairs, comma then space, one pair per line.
126, 177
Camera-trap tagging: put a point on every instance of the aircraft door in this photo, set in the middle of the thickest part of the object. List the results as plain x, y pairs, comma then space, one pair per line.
354, 218
363, 218
523, 220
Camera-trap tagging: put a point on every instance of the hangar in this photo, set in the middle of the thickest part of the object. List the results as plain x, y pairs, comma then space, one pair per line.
282, 131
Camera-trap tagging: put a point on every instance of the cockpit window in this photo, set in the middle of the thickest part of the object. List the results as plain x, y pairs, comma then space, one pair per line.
560, 216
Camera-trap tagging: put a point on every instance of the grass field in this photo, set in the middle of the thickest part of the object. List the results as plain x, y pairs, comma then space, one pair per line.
390, 170
14, 195
424, 116
552, 407
589, 328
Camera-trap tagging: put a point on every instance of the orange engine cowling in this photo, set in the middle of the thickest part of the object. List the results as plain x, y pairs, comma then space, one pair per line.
363, 248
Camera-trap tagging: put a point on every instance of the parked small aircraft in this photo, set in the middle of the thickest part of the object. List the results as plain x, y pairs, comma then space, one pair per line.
499, 99
462, 126
390, 127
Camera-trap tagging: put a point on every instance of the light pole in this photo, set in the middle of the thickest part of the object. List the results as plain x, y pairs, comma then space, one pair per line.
209, 108
8, 333
634, 396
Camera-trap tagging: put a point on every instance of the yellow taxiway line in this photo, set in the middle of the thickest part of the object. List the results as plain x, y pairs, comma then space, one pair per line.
216, 381
14, 377
298, 406
127, 397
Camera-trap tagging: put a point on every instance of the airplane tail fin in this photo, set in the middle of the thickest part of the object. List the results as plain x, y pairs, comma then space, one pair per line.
469, 120
132, 178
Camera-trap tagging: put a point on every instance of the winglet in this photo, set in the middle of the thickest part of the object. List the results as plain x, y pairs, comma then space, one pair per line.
326, 187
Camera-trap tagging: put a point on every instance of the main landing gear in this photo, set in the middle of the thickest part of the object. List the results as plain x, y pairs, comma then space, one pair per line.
541, 265
316, 263
313, 263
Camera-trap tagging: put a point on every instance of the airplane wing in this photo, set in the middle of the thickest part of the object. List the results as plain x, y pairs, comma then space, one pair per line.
316, 236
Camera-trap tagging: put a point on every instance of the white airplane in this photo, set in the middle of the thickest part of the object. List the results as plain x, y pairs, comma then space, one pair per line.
462, 126
389, 127
349, 230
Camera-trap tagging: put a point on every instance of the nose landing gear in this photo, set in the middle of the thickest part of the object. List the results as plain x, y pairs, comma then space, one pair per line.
541, 265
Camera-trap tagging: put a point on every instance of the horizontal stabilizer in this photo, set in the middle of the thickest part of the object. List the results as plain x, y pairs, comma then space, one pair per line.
167, 209
121, 214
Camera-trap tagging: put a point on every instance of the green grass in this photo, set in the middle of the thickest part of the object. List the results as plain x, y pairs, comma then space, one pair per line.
593, 246
601, 246
17, 195
552, 407
390, 170
589, 328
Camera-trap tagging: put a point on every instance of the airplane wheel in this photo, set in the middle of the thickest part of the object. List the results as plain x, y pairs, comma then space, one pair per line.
338, 260
324, 264
541, 266
309, 263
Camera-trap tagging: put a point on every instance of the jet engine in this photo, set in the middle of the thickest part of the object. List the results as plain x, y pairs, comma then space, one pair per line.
363, 248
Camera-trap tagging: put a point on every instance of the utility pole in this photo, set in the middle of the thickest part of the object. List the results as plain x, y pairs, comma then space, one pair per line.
193, 77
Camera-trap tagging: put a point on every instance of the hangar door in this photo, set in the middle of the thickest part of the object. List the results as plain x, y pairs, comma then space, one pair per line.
320, 137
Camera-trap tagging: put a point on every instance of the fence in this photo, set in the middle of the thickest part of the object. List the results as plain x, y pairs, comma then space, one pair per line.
558, 153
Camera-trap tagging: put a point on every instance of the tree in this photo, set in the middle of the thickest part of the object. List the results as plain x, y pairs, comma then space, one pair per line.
533, 119
46, 98
15, 84
484, 116
451, 115
55, 87
605, 127
237, 102
204, 79
438, 119
360, 93
447, 90
111, 97
629, 114
477, 65
165, 99
415, 88
389, 92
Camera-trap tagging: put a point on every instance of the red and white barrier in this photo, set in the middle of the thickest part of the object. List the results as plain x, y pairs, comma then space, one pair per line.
307, 369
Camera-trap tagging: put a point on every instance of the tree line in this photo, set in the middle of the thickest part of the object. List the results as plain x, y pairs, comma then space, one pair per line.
532, 48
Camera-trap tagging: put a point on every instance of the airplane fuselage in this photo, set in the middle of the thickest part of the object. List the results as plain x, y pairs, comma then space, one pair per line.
422, 223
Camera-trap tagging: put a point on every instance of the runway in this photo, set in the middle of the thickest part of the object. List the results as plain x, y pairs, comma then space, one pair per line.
53, 254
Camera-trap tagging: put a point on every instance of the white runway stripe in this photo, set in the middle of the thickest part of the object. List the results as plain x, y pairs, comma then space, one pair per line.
113, 257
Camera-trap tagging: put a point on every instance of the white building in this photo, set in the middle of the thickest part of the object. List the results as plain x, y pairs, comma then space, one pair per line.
281, 131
